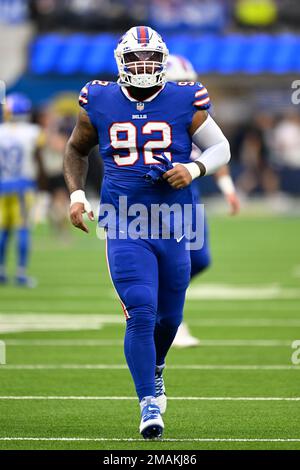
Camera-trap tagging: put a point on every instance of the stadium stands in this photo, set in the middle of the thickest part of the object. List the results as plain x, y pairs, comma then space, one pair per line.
235, 53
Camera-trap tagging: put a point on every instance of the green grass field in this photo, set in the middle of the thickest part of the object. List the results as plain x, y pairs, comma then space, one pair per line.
245, 310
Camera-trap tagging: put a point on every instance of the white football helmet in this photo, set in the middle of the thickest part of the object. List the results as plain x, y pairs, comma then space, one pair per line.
141, 57
180, 69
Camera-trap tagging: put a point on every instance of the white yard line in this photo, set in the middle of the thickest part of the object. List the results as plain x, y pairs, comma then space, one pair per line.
25, 322
243, 306
119, 342
65, 342
272, 367
97, 398
193, 304
246, 322
19, 323
115, 439
85, 318
241, 292
244, 342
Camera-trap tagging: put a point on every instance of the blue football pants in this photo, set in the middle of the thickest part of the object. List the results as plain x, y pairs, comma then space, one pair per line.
150, 277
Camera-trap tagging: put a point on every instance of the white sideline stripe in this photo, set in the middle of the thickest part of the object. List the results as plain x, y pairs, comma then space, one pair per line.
236, 292
84, 318
115, 439
246, 322
73, 397
222, 305
18, 323
242, 342
117, 342
211, 323
124, 367
238, 306
65, 342
15, 322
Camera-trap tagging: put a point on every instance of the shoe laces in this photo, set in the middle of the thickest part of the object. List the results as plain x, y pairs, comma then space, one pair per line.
159, 384
153, 413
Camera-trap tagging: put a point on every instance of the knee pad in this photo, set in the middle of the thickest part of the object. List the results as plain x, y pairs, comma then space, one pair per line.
139, 296
141, 307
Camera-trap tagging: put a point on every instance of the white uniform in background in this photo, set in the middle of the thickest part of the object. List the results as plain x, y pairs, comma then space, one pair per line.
181, 69
18, 172
18, 143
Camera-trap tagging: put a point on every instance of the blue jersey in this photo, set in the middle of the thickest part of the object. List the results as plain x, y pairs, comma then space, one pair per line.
131, 132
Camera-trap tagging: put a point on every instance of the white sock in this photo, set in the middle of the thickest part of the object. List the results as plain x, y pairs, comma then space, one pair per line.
149, 400
21, 271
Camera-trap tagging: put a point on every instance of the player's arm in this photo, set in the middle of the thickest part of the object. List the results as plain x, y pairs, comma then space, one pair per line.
84, 137
208, 137
226, 186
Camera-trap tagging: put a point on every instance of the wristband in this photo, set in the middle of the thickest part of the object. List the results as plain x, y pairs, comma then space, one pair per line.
193, 169
77, 196
226, 184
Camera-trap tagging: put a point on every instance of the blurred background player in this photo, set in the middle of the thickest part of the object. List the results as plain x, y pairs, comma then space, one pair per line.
181, 69
20, 165
57, 120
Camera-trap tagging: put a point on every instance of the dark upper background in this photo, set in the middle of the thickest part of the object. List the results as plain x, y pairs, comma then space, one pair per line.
245, 51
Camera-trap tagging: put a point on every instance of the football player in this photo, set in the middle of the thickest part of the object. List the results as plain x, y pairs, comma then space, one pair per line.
135, 121
20, 164
180, 69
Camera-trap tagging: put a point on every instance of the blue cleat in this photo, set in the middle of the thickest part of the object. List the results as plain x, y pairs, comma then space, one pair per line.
160, 391
3, 279
26, 281
152, 425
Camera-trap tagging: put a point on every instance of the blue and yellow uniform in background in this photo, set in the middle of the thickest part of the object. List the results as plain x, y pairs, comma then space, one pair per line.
19, 141
18, 172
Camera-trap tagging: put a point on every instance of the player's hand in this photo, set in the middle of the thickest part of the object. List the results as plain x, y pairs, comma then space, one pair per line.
76, 215
234, 203
156, 172
179, 177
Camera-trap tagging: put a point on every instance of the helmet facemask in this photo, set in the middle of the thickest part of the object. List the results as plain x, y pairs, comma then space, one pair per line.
141, 57
142, 69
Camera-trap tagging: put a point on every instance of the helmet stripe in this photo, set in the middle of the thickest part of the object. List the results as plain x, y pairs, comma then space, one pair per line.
142, 34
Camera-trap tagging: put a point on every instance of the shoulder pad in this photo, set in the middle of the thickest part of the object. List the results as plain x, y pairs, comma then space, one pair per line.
197, 93
201, 97
86, 91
